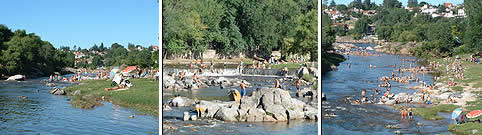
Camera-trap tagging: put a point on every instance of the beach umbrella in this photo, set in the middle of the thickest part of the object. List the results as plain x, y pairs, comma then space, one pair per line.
456, 113
474, 113
129, 69
113, 71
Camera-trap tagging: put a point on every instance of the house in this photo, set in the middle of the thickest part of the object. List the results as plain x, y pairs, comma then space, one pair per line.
461, 12
449, 5
155, 47
78, 55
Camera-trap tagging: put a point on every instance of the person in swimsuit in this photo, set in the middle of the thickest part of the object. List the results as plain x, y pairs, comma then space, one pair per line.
276, 84
402, 113
298, 85
410, 114
243, 89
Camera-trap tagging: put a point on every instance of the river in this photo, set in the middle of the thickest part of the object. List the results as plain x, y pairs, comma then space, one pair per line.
369, 118
216, 127
44, 113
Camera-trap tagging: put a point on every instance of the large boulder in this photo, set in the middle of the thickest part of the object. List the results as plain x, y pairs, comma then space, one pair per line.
277, 111
294, 114
181, 101
210, 108
255, 115
227, 114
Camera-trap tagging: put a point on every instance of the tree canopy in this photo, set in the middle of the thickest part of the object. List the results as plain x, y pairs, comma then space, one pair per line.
231, 27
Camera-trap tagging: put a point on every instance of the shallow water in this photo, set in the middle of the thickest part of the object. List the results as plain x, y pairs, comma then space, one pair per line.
43, 113
216, 127
369, 118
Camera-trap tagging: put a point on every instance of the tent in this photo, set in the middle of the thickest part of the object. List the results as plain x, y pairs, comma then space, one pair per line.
456, 113
113, 71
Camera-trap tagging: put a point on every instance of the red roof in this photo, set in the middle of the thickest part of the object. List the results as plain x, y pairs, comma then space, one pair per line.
448, 4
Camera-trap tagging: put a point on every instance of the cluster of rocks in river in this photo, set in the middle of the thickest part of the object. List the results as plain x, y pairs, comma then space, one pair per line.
267, 104
57, 91
442, 94
187, 83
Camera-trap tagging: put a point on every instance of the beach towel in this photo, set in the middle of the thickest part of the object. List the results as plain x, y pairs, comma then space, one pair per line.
121, 89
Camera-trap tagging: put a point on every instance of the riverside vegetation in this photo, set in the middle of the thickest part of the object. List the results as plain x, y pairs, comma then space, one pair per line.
143, 96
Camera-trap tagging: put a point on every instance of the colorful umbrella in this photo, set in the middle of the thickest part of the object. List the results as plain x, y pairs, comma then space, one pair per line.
474, 113
456, 113
113, 71
129, 69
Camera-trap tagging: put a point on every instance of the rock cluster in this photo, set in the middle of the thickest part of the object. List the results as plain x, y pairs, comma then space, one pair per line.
267, 104
57, 91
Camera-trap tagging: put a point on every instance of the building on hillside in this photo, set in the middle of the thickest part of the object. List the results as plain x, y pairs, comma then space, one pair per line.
78, 55
449, 5
155, 47
461, 12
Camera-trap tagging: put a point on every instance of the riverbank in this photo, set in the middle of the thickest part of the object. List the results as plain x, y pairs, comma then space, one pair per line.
143, 95
184, 63
328, 60
471, 82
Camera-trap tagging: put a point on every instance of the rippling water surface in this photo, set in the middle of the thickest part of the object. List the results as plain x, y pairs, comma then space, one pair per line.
369, 118
43, 113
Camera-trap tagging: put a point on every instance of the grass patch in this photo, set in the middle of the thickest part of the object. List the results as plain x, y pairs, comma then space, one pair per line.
457, 88
143, 96
430, 113
466, 128
308, 77
329, 59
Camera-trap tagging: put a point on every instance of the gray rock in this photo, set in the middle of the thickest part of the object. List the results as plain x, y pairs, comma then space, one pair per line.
186, 116
278, 111
268, 118
255, 115
193, 117
77, 92
181, 101
294, 114
51, 84
226, 114
57, 91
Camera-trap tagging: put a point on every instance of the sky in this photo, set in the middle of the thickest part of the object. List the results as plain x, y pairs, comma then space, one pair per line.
404, 2
85, 22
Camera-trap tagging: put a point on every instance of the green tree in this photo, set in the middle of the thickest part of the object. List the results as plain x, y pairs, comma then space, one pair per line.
332, 4
391, 4
367, 5
473, 30
306, 40
412, 3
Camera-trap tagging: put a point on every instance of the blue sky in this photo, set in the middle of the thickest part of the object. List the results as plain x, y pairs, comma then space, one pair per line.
85, 22
404, 2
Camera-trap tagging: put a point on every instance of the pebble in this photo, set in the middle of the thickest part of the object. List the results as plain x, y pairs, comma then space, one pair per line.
250, 125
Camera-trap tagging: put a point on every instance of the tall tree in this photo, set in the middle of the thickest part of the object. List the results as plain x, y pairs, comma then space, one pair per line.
473, 33
392, 4
332, 4
367, 5
412, 3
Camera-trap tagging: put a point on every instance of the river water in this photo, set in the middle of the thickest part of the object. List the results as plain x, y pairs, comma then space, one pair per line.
369, 118
43, 113
216, 127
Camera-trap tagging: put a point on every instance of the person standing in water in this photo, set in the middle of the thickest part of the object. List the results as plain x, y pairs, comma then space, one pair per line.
298, 85
243, 89
276, 83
